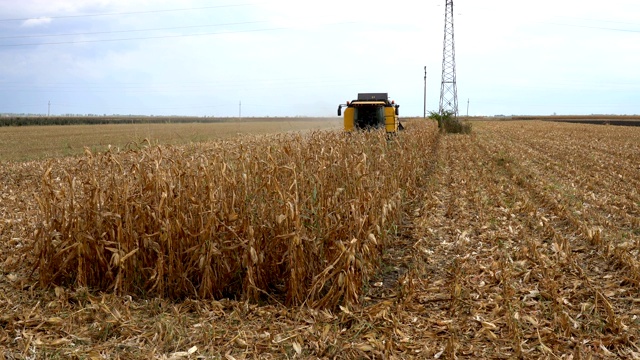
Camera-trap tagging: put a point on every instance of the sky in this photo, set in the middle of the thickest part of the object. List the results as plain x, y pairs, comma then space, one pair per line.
249, 58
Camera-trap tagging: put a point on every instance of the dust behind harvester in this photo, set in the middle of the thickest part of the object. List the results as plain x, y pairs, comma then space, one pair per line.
371, 111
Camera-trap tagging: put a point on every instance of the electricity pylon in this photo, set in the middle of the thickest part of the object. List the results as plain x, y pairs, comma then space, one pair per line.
448, 87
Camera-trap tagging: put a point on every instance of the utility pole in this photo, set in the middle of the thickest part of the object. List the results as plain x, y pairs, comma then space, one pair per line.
240, 110
425, 93
467, 108
448, 87
49, 109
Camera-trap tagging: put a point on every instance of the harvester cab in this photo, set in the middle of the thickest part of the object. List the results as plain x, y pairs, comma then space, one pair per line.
371, 111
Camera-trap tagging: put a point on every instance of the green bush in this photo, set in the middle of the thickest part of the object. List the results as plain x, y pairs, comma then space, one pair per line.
449, 123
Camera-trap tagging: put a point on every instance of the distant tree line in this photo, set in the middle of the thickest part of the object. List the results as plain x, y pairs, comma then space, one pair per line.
96, 120
575, 117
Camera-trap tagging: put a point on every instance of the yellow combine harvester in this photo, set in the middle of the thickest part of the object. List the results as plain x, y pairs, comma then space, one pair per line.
371, 111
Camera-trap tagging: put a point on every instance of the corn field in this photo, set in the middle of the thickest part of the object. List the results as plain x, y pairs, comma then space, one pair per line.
520, 240
301, 219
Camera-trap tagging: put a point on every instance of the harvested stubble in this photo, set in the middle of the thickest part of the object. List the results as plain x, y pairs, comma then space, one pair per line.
288, 218
524, 244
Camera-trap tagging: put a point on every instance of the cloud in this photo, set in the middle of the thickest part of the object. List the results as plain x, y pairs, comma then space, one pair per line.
36, 22
512, 57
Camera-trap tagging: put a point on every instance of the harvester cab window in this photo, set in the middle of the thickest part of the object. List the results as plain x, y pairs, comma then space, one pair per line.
369, 117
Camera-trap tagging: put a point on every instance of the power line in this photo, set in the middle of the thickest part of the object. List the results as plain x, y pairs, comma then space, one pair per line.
156, 37
130, 12
154, 88
141, 38
596, 20
135, 30
592, 27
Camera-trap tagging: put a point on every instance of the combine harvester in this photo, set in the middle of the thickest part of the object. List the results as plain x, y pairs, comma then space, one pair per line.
371, 111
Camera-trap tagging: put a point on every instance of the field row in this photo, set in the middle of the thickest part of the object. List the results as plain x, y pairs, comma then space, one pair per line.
519, 240
528, 252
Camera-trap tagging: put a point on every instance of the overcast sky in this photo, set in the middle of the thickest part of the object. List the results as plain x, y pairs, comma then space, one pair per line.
303, 58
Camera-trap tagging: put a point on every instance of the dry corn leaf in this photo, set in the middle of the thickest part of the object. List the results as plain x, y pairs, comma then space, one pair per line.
241, 342
254, 255
491, 335
95, 355
488, 325
530, 320
372, 238
606, 351
364, 347
58, 342
178, 355
55, 320
297, 347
